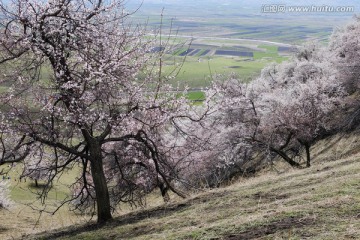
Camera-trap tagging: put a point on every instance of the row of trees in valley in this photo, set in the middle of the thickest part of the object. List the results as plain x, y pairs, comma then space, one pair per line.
83, 90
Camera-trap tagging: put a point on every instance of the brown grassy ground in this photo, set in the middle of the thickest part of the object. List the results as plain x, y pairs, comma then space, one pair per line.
322, 202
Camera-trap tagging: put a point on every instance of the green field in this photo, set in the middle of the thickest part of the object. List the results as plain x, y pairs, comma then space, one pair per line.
196, 96
25, 191
199, 70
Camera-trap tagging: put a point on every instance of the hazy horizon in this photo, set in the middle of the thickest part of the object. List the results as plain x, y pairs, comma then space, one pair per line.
210, 18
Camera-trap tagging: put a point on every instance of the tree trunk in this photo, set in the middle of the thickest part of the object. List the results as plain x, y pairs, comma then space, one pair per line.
286, 157
307, 148
164, 191
101, 189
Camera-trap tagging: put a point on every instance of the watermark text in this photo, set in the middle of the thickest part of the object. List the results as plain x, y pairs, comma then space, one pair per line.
282, 8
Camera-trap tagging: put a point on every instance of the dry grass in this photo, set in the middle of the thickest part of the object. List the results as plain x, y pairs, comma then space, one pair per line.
322, 202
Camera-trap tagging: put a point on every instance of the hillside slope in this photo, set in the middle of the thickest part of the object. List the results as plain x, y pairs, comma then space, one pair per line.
322, 202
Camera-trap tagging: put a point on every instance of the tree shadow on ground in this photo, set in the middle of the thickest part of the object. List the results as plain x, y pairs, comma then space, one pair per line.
131, 218
271, 228
122, 220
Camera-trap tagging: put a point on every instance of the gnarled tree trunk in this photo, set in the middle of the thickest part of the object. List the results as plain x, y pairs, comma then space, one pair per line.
285, 157
101, 189
308, 158
307, 151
